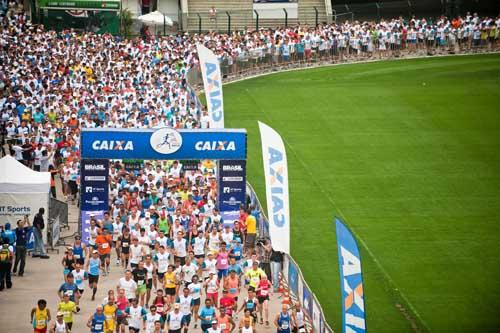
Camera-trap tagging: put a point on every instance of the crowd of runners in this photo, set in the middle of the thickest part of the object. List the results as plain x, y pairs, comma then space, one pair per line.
183, 266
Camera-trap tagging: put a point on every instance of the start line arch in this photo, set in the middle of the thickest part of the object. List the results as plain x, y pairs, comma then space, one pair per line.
227, 146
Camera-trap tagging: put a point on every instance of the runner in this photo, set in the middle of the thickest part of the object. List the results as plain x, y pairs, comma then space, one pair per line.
140, 276
212, 288
206, 315
124, 242
227, 304
110, 314
104, 242
195, 291
136, 316
170, 284
247, 324
59, 325
298, 319
232, 286
40, 317
68, 262
97, 320
128, 285
161, 259
117, 234
214, 327
224, 321
136, 253
80, 251
222, 262
151, 318
185, 301
67, 307
93, 270
283, 320
250, 304
79, 275
150, 277
161, 303
71, 289
263, 293
121, 306
253, 276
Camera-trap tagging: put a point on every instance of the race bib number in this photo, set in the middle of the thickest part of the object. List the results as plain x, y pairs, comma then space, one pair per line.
98, 327
222, 326
232, 290
124, 244
105, 245
264, 292
140, 282
223, 261
284, 326
209, 318
69, 292
237, 253
78, 281
41, 323
77, 256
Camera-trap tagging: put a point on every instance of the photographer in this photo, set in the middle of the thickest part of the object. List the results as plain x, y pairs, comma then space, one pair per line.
276, 262
22, 238
265, 251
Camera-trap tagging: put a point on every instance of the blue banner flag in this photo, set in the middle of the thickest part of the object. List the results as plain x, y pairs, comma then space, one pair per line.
351, 281
94, 184
164, 144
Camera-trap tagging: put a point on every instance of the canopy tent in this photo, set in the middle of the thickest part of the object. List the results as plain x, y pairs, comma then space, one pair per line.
15, 177
22, 191
156, 18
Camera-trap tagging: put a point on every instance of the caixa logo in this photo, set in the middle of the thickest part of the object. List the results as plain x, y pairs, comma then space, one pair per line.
276, 170
166, 140
112, 145
214, 93
215, 145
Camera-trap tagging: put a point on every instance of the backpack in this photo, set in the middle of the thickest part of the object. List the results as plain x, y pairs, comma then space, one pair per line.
4, 255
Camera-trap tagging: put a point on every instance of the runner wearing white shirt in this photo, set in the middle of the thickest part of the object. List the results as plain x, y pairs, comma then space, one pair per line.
180, 248
128, 284
117, 233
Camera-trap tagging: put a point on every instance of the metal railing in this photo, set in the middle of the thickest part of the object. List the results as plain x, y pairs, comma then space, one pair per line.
259, 61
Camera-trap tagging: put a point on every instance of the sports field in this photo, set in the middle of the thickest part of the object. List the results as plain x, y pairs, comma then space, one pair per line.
408, 153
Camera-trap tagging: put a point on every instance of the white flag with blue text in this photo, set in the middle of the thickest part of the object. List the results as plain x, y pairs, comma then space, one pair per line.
212, 84
276, 174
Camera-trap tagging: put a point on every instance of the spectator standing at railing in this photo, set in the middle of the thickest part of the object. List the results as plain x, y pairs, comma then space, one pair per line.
22, 233
212, 14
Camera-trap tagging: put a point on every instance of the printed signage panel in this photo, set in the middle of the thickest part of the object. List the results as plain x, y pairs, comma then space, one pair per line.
94, 184
85, 220
80, 4
232, 188
164, 144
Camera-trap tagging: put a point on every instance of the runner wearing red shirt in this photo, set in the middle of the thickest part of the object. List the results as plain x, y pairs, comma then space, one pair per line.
227, 303
263, 291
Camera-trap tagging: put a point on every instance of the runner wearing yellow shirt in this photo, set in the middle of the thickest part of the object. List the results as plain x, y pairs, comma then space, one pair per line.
253, 276
110, 315
170, 284
251, 232
40, 317
67, 307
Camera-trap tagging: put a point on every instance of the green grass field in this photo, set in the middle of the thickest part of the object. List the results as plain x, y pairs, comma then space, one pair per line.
408, 153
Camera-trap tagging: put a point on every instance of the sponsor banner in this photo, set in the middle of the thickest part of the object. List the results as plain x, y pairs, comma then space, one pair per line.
133, 165
14, 206
232, 188
189, 165
316, 315
101, 5
212, 85
351, 281
276, 175
94, 184
293, 277
164, 144
85, 221
307, 301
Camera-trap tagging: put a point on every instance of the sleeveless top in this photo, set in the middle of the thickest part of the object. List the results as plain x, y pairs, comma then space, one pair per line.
60, 328
98, 323
40, 318
78, 252
284, 322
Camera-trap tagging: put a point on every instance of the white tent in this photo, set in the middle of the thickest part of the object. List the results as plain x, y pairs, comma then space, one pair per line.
22, 191
156, 18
